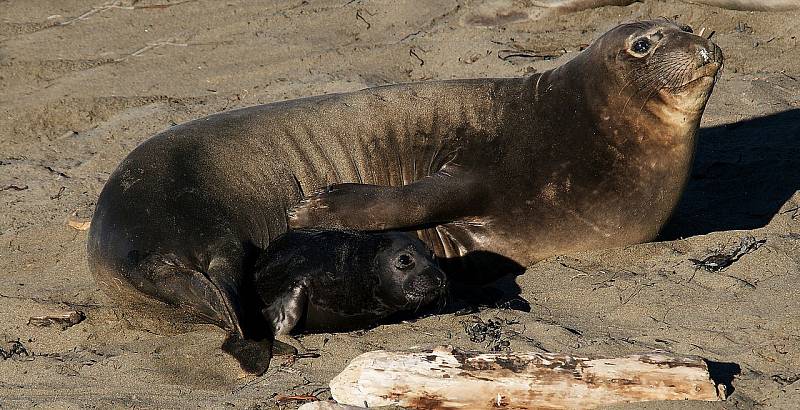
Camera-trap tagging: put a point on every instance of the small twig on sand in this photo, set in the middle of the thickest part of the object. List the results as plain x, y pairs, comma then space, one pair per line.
795, 212
506, 55
117, 4
58, 194
413, 53
283, 398
95, 10
360, 17
151, 46
55, 171
161, 6
55, 302
13, 187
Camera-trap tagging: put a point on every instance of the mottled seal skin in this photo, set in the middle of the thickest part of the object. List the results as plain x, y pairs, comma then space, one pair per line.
592, 154
340, 281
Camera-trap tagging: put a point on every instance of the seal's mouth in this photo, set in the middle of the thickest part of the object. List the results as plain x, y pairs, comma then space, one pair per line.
703, 77
425, 288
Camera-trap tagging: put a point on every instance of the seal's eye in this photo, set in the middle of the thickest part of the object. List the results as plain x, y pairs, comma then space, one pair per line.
404, 262
640, 46
686, 28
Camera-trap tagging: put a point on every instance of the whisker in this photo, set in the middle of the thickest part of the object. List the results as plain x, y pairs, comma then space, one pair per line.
641, 109
650, 74
650, 85
647, 79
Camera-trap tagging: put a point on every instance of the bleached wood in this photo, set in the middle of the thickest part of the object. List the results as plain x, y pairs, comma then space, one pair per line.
446, 378
327, 405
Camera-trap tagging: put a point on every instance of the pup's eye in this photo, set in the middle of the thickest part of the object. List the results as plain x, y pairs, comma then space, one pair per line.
404, 262
640, 46
686, 28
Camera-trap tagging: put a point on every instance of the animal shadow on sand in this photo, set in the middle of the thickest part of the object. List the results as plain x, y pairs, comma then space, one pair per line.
744, 172
482, 279
723, 373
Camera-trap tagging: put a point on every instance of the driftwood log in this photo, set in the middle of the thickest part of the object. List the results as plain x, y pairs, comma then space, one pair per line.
447, 378
327, 405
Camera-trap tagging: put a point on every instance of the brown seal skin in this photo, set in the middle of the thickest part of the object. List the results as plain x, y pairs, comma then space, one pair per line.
592, 154
340, 280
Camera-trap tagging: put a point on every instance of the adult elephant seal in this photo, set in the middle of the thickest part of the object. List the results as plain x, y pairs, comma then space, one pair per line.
592, 154
338, 281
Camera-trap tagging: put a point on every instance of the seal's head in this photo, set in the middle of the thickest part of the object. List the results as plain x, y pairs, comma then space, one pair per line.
656, 64
409, 276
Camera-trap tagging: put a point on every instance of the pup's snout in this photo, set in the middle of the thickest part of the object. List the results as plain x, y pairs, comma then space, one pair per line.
432, 280
440, 280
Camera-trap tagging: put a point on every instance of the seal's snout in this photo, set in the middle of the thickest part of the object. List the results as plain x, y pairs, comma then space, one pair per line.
709, 53
432, 279
708, 63
426, 286
704, 56
716, 54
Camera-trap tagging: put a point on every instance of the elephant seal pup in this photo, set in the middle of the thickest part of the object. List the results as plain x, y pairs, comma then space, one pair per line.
592, 154
341, 281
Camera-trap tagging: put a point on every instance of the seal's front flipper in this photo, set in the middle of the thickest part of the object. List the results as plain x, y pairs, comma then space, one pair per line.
253, 355
280, 348
439, 198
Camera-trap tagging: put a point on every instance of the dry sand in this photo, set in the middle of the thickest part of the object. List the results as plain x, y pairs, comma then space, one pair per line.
76, 95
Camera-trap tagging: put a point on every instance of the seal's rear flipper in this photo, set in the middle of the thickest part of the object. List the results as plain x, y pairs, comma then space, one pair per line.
209, 297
